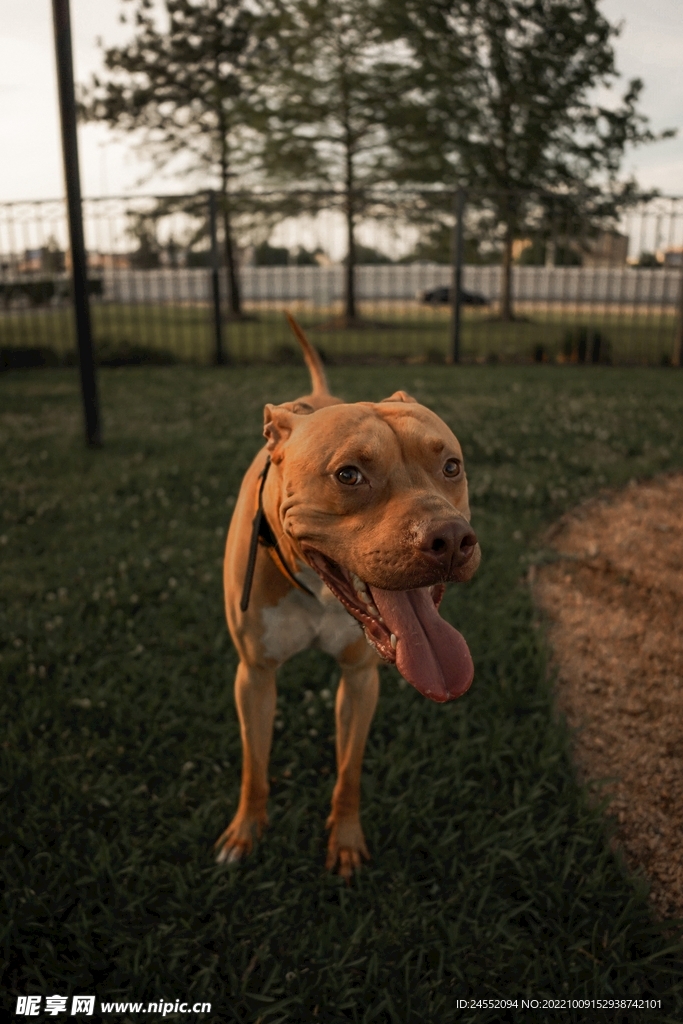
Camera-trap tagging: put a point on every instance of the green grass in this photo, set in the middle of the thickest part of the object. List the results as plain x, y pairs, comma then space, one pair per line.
403, 331
491, 876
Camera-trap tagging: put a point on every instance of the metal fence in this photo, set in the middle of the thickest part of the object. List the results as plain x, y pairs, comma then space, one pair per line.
562, 283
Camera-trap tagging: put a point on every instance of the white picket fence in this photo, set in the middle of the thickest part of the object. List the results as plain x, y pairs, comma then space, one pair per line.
324, 285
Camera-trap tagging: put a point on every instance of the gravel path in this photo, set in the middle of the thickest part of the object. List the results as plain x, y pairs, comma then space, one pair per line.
614, 601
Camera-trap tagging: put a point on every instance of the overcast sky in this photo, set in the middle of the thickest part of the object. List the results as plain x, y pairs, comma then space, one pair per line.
650, 48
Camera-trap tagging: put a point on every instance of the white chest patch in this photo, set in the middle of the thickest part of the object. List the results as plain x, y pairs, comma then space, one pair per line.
299, 621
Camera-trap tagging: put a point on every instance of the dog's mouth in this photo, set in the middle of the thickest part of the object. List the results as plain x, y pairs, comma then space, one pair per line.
405, 628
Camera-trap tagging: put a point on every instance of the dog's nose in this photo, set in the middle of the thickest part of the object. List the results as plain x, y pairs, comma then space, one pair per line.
451, 544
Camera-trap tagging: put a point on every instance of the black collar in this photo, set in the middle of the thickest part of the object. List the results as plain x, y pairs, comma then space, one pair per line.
261, 531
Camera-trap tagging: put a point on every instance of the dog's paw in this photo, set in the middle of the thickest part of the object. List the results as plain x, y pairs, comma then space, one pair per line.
346, 849
230, 855
238, 839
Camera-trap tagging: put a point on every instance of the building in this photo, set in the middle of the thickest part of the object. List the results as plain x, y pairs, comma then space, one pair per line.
107, 261
673, 257
608, 249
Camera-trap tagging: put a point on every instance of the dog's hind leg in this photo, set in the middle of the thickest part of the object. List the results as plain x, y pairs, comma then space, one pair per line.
356, 702
255, 695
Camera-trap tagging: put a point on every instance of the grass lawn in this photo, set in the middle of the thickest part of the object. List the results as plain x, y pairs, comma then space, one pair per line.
405, 329
492, 876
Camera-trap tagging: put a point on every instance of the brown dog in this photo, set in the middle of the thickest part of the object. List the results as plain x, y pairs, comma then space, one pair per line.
347, 527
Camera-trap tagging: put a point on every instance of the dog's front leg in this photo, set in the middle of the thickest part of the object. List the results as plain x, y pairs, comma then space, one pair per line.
255, 695
356, 702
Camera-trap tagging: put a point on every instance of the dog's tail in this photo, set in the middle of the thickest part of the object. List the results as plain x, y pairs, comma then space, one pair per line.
311, 358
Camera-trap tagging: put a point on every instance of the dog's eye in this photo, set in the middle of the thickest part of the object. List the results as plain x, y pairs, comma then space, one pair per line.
349, 475
452, 468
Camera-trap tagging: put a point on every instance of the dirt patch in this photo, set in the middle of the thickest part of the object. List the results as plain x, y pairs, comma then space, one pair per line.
614, 600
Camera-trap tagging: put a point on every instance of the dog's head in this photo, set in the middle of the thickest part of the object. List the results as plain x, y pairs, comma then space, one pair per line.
374, 496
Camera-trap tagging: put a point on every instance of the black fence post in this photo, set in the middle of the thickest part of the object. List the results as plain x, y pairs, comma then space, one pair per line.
456, 280
215, 281
79, 266
677, 359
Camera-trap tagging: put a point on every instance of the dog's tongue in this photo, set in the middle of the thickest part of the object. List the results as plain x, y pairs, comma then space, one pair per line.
430, 654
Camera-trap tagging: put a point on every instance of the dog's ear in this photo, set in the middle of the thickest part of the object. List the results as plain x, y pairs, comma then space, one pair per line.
278, 424
400, 396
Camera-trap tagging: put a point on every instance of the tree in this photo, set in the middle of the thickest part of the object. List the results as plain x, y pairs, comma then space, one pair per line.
498, 96
52, 257
367, 255
266, 255
188, 84
143, 229
326, 100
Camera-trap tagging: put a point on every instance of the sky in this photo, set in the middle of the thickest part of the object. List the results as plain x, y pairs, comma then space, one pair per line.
30, 158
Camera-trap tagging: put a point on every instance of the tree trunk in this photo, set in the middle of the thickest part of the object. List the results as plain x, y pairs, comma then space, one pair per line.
677, 357
506, 304
234, 297
350, 289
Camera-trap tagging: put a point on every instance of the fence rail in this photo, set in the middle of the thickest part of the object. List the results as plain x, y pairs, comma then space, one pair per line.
609, 290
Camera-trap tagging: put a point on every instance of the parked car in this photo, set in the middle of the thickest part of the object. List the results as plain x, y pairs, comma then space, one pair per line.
442, 297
